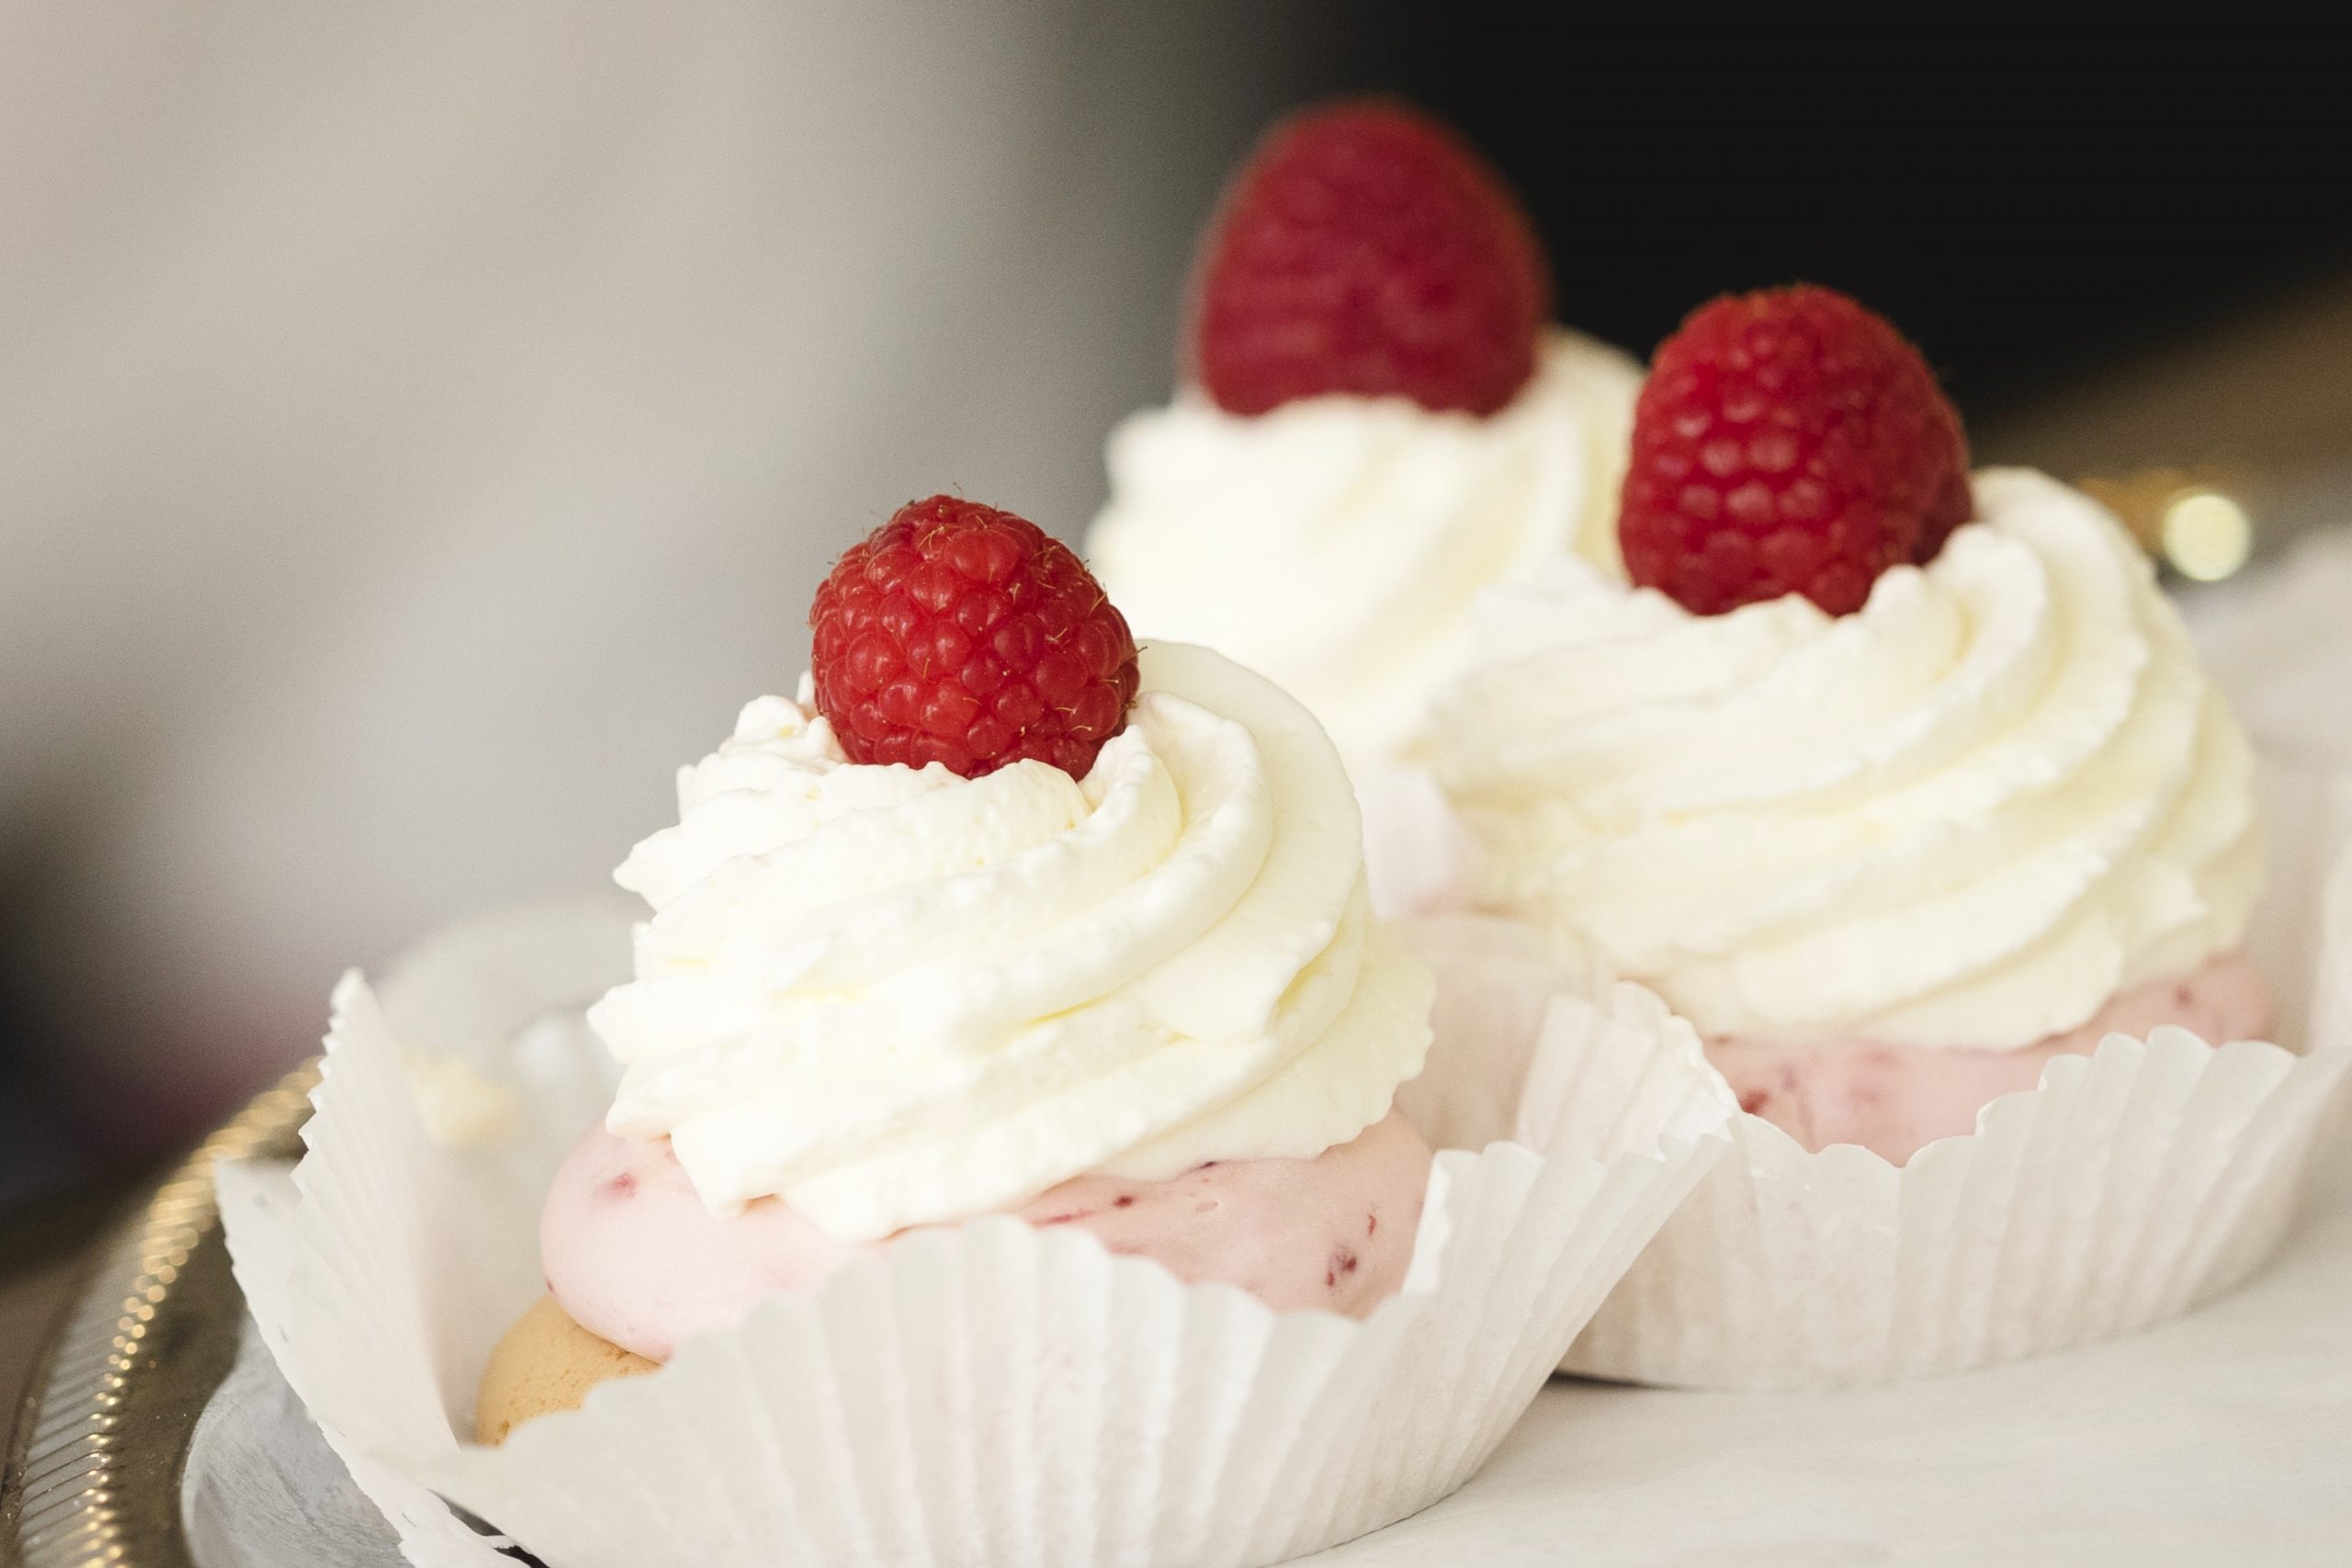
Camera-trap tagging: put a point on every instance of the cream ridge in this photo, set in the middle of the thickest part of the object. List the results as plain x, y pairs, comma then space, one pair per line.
1966, 815
894, 996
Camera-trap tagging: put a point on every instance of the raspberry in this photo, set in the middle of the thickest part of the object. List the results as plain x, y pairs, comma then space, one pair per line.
1364, 248
962, 634
1788, 441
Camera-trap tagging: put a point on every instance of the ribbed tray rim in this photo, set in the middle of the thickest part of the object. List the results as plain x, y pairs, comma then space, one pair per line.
98, 1412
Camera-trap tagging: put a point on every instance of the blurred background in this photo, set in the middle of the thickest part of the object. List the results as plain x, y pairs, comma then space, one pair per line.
421, 426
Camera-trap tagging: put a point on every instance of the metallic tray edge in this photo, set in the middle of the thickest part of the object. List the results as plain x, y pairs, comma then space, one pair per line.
91, 1475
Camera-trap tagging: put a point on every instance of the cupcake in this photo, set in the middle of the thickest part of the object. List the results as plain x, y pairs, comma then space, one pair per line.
1896, 783
1003, 916
1903, 788
1376, 423
1007, 1142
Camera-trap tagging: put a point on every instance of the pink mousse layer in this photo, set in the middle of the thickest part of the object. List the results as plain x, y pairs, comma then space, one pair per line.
632, 1255
1895, 1100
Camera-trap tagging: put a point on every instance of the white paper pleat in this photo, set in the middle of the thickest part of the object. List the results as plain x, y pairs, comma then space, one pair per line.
989, 1394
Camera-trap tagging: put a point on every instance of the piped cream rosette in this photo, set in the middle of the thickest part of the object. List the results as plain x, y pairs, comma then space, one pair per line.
1964, 816
895, 996
1340, 545
977, 1392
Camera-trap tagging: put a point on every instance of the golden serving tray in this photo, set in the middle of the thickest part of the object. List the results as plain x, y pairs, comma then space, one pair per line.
92, 1474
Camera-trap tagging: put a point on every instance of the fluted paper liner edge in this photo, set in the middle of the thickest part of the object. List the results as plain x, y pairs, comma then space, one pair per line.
983, 1393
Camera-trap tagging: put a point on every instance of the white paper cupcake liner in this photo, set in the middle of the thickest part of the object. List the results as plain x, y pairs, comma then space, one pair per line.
983, 1395
2130, 1186
2133, 1185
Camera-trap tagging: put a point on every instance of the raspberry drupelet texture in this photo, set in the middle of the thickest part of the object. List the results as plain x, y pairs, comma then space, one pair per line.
1366, 249
962, 634
1788, 441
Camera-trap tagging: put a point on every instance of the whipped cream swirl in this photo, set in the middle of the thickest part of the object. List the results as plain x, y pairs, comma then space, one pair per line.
1966, 815
895, 996
1338, 544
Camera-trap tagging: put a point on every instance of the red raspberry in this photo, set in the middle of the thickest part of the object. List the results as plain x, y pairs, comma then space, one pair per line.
958, 634
1364, 248
1788, 441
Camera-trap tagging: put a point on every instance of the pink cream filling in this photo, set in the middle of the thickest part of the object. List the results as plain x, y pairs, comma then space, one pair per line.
631, 1254
1895, 1100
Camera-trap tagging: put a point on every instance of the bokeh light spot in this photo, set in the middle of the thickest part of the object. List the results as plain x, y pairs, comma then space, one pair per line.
2207, 534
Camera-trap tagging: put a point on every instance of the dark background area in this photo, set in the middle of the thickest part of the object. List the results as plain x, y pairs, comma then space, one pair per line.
2024, 208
